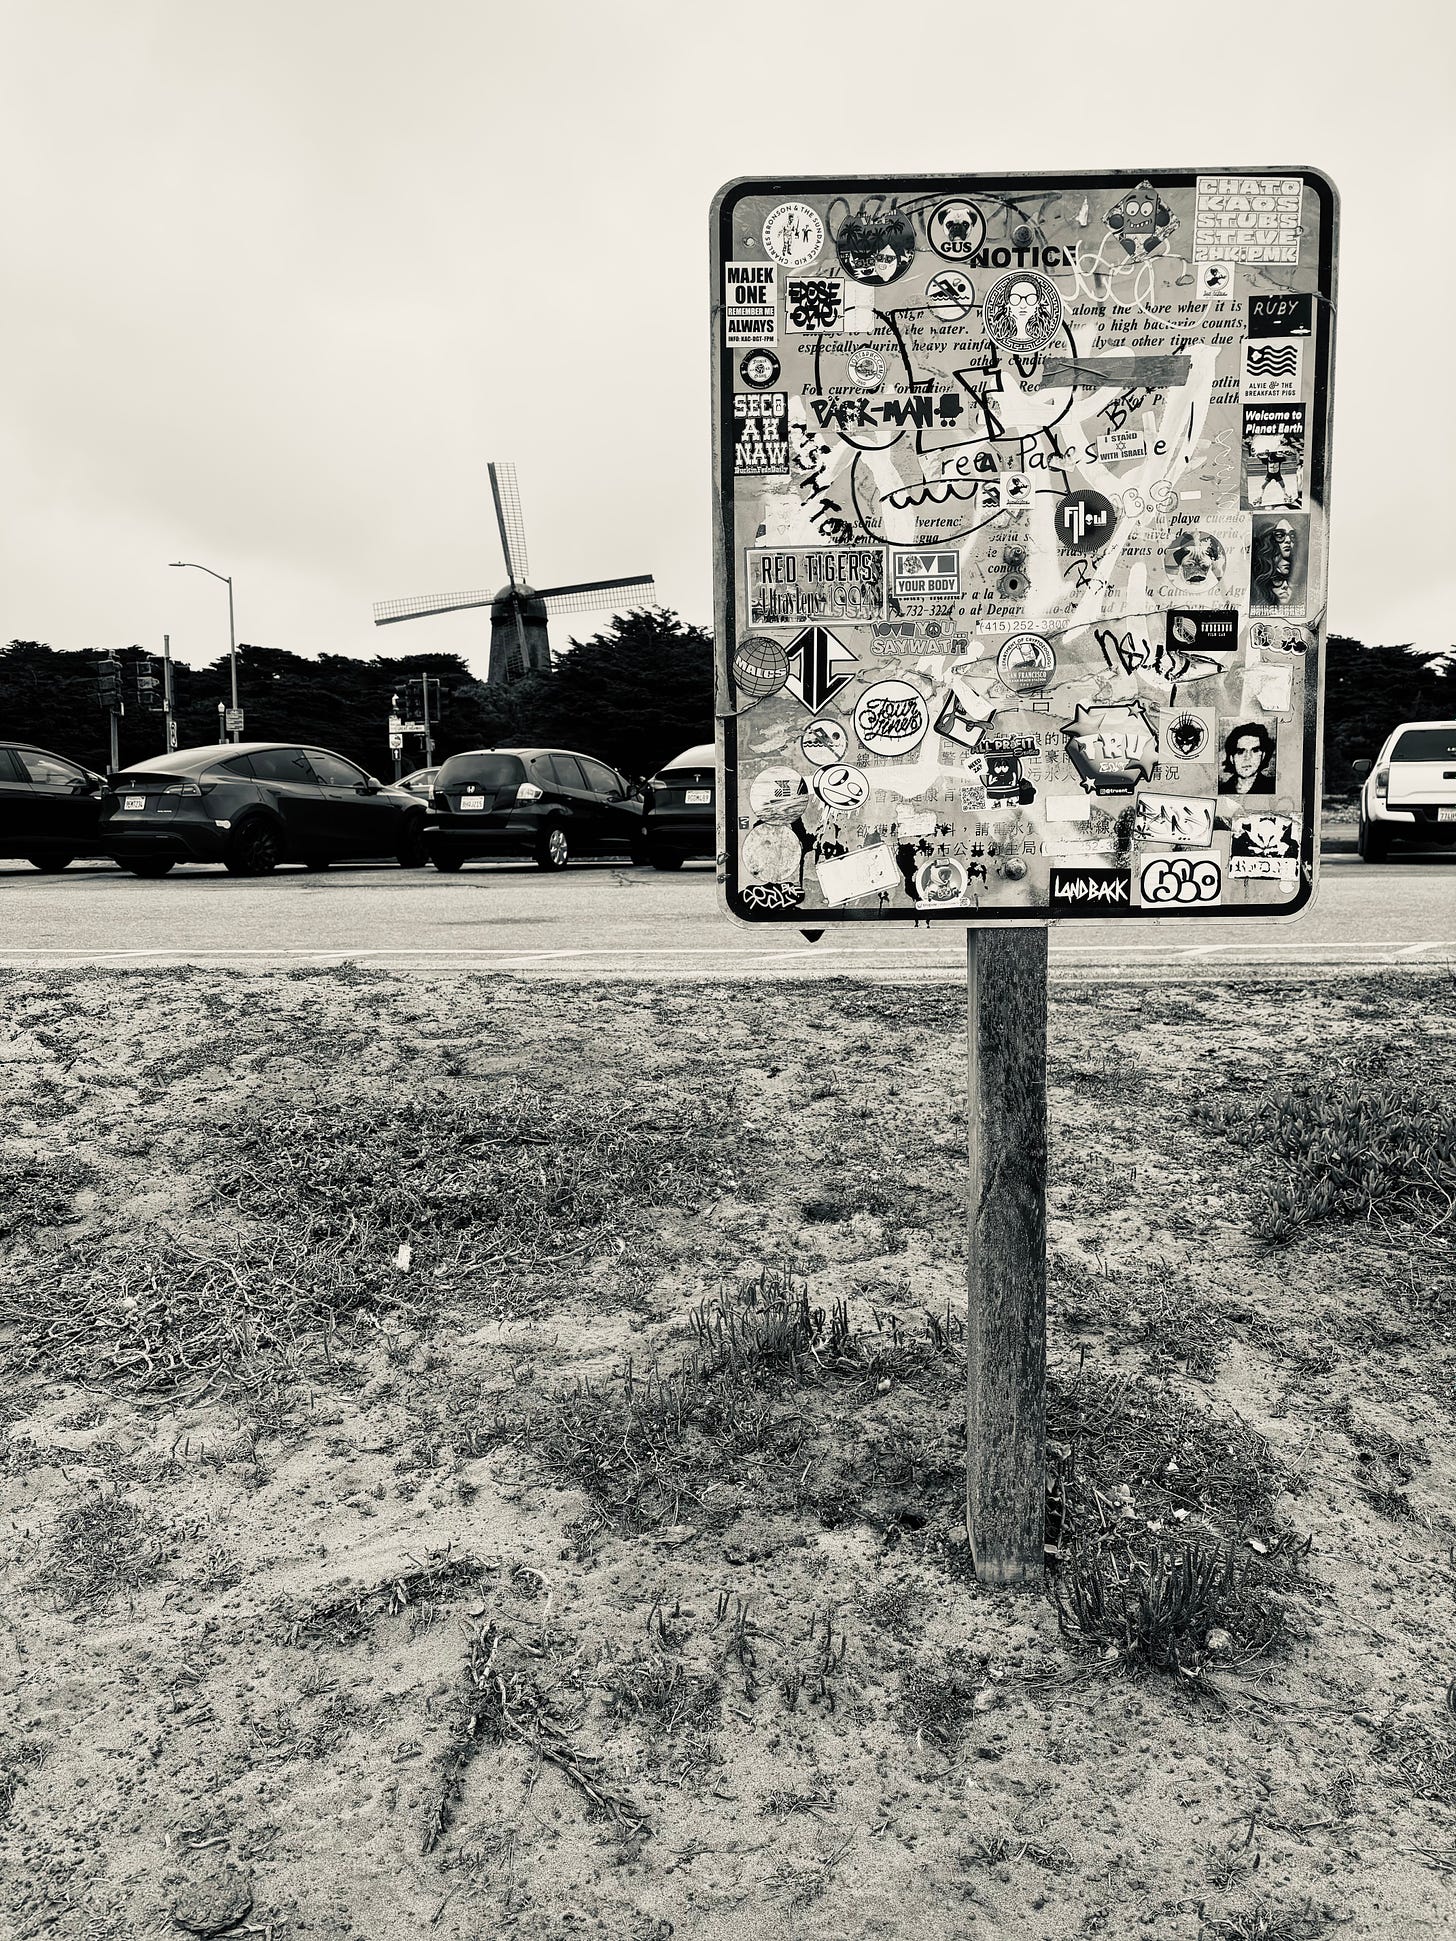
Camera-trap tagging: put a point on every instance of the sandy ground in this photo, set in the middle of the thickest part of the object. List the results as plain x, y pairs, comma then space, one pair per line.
355, 1587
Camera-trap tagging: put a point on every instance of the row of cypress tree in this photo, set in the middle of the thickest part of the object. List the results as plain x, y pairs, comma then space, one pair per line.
635, 695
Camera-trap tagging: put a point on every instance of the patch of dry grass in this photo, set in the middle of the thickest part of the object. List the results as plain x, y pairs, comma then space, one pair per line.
101, 1546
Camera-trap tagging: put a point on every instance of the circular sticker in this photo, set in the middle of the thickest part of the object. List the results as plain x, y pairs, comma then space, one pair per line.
875, 246
941, 881
793, 234
955, 229
1084, 521
778, 794
1026, 663
771, 853
1187, 735
823, 743
950, 295
891, 718
867, 369
760, 667
1195, 555
842, 788
760, 368
1022, 312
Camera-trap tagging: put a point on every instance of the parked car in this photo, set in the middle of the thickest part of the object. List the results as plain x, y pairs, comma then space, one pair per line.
419, 781
255, 805
50, 808
680, 819
1410, 789
541, 802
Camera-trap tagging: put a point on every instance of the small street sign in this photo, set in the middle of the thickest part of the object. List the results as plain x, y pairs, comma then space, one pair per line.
1020, 495
232, 720
396, 741
412, 727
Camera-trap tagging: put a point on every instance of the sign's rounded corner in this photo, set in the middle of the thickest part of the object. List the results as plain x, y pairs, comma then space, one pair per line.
728, 195
1326, 189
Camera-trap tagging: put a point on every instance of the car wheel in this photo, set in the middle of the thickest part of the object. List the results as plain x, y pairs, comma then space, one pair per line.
447, 862
48, 865
660, 861
151, 865
254, 850
553, 850
1374, 842
317, 862
411, 851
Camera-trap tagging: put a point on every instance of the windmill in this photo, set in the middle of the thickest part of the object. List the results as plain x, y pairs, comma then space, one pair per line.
519, 612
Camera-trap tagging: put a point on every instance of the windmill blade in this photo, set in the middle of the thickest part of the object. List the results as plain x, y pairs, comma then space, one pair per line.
508, 518
637, 590
386, 612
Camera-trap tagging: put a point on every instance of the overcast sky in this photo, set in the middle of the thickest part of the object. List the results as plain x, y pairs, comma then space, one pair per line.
283, 275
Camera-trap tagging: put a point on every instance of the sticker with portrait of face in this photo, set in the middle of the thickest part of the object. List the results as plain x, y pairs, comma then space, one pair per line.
1279, 564
1022, 312
1249, 759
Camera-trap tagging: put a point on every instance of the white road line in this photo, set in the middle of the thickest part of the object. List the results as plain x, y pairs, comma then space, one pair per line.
817, 953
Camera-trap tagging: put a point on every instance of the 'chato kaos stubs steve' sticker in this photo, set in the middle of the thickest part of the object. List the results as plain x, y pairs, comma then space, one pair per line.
1021, 544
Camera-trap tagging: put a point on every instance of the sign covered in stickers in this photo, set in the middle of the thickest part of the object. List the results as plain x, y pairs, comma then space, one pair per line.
1021, 544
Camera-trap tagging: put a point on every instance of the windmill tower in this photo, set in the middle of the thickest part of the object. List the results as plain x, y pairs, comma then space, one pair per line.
519, 612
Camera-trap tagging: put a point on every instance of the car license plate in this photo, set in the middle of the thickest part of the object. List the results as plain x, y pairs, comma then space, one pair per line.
697, 798
1446, 815
472, 801
133, 802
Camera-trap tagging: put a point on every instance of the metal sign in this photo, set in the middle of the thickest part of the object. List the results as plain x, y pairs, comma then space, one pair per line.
1020, 538
232, 719
396, 740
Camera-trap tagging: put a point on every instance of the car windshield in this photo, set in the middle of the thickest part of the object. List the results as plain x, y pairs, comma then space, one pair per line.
480, 771
1425, 745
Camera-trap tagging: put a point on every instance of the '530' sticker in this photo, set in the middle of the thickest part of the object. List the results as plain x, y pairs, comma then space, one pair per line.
1181, 879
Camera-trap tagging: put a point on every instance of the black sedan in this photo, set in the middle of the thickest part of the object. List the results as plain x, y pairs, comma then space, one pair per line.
681, 820
50, 808
538, 802
255, 805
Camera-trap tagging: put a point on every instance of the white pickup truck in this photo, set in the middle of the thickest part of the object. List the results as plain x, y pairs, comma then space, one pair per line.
1410, 789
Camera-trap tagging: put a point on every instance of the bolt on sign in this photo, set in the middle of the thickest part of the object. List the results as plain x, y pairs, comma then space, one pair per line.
1021, 543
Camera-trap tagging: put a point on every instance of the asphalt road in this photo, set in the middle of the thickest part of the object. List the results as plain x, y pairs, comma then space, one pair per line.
612, 919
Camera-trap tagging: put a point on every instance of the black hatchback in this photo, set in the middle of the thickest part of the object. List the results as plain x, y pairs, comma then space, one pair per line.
255, 805
540, 802
50, 808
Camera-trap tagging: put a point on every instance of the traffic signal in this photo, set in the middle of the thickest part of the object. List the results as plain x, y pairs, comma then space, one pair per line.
148, 683
418, 695
108, 683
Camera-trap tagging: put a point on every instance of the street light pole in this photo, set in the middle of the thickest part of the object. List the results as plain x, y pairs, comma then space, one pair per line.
232, 631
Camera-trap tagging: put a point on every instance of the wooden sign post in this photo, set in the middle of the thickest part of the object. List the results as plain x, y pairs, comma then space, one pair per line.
1020, 548
1006, 1007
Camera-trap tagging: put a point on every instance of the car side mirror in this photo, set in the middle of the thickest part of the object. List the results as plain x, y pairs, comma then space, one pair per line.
368, 787
1363, 766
